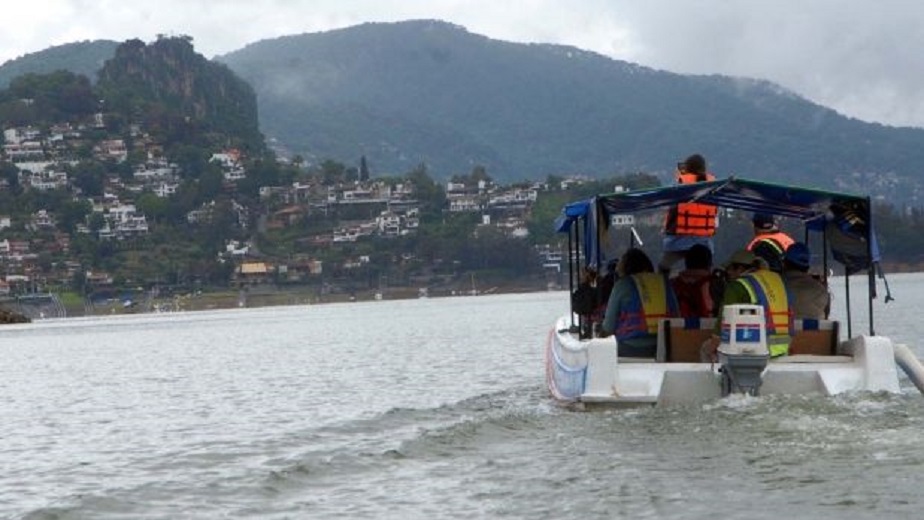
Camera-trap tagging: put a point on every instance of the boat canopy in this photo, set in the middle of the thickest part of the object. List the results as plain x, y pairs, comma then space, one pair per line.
845, 219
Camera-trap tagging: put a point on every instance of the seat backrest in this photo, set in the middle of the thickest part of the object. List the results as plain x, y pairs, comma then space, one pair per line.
817, 337
680, 339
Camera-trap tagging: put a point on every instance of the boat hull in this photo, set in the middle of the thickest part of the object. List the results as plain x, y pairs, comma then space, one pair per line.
589, 372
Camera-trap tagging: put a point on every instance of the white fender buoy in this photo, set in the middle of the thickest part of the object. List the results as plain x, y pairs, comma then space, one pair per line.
910, 365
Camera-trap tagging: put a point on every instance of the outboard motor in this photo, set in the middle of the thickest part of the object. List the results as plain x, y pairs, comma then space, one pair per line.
743, 352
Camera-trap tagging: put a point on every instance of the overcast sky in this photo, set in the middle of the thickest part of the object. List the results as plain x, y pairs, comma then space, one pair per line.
863, 58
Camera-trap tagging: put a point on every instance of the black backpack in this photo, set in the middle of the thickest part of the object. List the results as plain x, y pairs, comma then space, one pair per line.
584, 299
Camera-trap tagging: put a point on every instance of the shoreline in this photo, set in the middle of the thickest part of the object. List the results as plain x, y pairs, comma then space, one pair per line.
53, 305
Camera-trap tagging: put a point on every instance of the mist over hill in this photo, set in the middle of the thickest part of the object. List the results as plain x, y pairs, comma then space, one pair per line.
431, 92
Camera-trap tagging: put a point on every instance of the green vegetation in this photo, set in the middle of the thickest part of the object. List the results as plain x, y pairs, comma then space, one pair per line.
158, 171
402, 93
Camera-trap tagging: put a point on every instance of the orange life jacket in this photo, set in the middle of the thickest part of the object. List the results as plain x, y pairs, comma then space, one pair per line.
691, 218
779, 240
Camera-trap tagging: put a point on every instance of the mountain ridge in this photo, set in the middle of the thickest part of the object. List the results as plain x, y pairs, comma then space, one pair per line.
431, 92
528, 110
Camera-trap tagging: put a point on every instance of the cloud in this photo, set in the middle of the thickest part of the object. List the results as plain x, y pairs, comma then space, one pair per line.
860, 57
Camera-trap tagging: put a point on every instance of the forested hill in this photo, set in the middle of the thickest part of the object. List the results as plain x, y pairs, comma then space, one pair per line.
83, 58
401, 93
430, 92
178, 94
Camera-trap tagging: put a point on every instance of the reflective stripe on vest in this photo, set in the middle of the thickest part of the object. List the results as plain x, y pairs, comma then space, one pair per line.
779, 241
767, 289
691, 218
651, 302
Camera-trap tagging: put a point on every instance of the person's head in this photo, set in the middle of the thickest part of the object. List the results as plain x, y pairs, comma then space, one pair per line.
695, 164
797, 257
698, 257
763, 222
769, 253
741, 262
634, 261
588, 275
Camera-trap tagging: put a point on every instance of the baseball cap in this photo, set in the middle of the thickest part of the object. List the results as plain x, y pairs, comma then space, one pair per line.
763, 221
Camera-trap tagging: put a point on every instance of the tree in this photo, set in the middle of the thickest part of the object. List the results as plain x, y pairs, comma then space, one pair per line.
332, 172
480, 173
210, 183
429, 193
153, 207
10, 174
363, 169
192, 160
71, 213
89, 177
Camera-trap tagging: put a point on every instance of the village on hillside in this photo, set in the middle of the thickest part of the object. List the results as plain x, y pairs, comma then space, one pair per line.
35, 248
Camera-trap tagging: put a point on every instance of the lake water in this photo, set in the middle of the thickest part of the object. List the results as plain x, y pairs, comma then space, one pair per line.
430, 408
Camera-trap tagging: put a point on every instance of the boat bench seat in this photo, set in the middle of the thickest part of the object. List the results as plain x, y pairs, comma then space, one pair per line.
680, 339
816, 337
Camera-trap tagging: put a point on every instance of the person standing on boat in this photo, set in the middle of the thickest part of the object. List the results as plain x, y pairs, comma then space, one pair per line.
639, 300
810, 296
769, 241
751, 282
688, 223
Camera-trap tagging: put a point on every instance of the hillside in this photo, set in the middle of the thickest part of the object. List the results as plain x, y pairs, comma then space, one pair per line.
426, 91
430, 92
85, 58
180, 95
156, 177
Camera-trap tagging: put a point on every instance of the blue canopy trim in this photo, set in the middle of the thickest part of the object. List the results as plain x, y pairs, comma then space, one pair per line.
845, 218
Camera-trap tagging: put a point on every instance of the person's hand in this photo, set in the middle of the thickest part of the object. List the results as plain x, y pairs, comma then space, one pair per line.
709, 349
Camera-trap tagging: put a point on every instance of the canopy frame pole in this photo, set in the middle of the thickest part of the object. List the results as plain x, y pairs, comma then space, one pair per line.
571, 269
824, 248
870, 266
847, 296
598, 216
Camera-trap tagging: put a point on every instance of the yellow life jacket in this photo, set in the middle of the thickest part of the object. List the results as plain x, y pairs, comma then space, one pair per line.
766, 288
652, 301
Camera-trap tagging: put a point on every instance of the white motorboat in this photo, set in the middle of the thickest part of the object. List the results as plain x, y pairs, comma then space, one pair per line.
590, 371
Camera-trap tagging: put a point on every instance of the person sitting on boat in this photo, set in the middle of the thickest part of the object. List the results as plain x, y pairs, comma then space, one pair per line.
810, 296
751, 282
584, 301
688, 223
605, 284
639, 300
769, 241
692, 285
